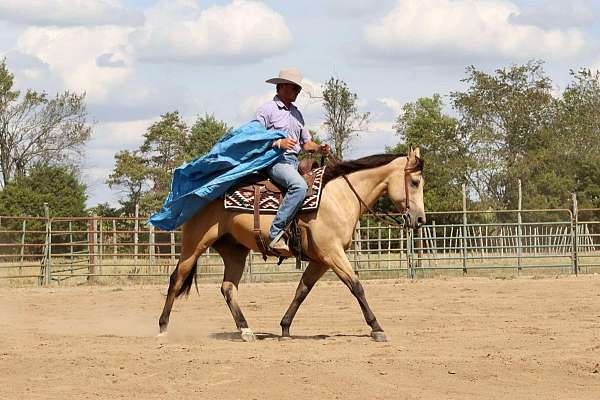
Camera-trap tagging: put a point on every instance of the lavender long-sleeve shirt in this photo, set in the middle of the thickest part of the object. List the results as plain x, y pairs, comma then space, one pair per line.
275, 115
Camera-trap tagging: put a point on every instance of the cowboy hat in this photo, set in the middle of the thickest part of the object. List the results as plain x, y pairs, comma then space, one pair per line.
287, 75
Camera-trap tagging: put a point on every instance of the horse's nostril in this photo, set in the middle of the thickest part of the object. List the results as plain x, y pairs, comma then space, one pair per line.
421, 220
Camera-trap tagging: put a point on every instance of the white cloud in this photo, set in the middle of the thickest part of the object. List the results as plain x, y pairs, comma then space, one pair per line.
69, 12
394, 105
108, 139
459, 28
251, 104
120, 135
355, 8
73, 53
242, 31
552, 13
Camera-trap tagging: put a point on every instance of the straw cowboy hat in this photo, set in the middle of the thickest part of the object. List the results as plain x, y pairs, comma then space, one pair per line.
287, 75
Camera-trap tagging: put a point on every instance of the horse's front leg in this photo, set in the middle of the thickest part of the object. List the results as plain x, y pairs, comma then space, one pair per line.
234, 257
338, 261
311, 275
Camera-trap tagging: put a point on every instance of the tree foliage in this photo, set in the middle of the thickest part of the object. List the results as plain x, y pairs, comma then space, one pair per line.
38, 129
424, 124
342, 117
509, 125
56, 185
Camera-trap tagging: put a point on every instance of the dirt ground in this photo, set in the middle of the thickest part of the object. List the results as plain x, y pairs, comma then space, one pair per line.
461, 338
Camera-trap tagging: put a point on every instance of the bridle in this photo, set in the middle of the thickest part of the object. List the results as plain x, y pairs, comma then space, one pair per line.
404, 213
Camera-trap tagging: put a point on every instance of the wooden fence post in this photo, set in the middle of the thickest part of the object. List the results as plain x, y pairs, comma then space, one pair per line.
22, 246
464, 229
519, 231
91, 249
48, 278
115, 249
136, 227
574, 236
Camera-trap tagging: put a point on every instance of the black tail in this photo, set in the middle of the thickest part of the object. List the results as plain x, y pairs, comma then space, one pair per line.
187, 284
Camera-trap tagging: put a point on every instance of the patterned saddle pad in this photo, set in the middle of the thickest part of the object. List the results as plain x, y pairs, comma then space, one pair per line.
242, 198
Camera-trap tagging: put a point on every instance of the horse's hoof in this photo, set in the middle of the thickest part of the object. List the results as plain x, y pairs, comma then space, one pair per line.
379, 336
248, 335
284, 338
162, 337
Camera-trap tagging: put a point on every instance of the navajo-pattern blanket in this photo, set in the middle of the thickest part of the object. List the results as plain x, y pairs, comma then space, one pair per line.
242, 199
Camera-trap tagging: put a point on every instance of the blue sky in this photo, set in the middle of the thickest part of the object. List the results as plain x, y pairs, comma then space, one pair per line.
137, 59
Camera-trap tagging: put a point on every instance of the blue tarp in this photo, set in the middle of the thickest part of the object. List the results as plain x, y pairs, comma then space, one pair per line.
240, 152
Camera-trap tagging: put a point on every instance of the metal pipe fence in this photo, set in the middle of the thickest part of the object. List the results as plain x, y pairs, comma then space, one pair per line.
46, 250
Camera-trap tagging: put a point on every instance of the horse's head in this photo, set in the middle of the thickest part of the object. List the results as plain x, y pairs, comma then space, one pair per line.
405, 188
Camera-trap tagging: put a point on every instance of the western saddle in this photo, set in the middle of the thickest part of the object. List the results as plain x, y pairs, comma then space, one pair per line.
261, 183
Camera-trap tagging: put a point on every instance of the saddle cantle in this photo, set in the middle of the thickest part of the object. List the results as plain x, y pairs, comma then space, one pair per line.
242, 196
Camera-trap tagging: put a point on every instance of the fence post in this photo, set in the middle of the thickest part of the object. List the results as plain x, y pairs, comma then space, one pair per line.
519, 230
172, 237
115, 249
71, 256
22, 246
48, 277
151, 243
434, 245
100, 244
410, 248
574, 236
135, 234
464, 229
91, 249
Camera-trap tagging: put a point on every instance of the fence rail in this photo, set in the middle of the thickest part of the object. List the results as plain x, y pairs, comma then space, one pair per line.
46, 250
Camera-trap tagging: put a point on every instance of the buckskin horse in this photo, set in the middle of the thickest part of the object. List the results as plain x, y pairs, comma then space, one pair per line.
351, 188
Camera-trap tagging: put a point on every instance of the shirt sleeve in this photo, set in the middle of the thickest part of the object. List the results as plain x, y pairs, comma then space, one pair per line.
305, 135
262, 116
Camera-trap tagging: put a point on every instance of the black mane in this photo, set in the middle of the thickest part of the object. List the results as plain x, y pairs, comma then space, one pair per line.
335, 169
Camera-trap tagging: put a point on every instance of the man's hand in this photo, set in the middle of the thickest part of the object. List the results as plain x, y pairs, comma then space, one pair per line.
324, 149
285, 144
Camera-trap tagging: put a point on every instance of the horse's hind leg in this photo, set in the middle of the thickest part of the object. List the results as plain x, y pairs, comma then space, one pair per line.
343, 269
234, 257
195, 242
311, 275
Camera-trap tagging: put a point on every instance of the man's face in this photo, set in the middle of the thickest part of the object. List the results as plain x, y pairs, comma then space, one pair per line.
288, 91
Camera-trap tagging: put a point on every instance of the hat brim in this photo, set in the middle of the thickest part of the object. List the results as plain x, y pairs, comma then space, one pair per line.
275, 81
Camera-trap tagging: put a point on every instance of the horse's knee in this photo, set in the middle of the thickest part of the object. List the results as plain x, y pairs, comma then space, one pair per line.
227, 290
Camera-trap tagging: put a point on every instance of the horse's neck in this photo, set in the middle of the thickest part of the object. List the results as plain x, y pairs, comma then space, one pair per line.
369, 185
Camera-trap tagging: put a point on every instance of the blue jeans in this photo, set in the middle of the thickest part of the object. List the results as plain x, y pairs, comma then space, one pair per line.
285, 173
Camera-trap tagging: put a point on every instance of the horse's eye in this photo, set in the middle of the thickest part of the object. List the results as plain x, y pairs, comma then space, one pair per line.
415, 182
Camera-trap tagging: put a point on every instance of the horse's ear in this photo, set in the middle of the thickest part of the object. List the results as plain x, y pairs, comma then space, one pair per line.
411, 153
417, 152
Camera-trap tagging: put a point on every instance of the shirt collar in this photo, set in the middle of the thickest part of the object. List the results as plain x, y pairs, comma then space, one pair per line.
280, 104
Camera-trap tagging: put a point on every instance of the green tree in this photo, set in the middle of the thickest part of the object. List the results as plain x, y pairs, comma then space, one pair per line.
35, 128
504, 119
164, 148
423, 124
56, 185
205, 133
575, 141
342, 118
131, 175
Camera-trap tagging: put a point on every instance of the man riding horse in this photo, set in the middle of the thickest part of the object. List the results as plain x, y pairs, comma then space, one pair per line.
280, 114
350, 188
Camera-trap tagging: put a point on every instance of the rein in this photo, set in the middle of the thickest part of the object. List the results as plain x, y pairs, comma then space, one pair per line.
396, 221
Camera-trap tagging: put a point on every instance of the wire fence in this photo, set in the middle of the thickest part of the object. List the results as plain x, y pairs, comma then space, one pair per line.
72, 250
